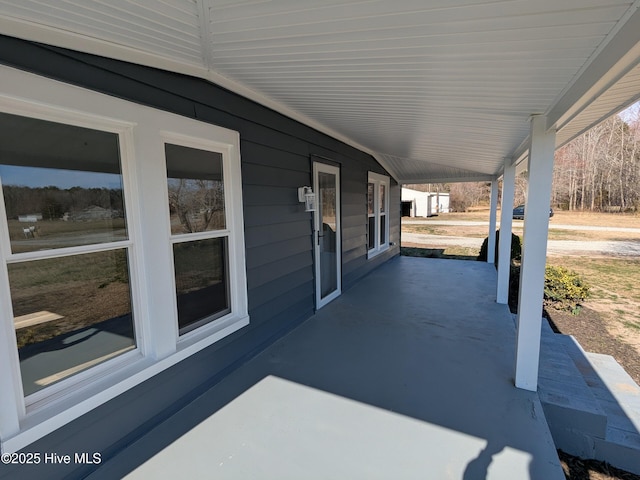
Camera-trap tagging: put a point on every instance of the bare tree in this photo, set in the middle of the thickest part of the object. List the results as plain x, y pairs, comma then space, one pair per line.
463, 196
197, 203
600, 170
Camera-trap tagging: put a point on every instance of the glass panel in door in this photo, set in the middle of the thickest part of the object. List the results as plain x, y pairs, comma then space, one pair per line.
327, 225
327, 234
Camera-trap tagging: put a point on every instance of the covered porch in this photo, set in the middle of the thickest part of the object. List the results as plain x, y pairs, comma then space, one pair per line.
409, 374
414, 367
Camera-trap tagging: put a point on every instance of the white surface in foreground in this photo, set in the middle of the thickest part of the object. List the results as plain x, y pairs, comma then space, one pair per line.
284, 430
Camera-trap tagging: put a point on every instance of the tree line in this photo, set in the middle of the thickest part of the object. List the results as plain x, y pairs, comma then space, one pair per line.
600, 170
53, 202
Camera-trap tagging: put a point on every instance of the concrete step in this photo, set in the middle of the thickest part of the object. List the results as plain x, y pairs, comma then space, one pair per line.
592, 405
619, 397
572, 411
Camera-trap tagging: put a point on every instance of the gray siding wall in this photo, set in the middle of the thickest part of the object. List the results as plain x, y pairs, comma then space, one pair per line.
277, 155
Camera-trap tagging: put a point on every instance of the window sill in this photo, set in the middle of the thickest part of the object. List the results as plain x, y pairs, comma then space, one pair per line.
118, 379
375, 252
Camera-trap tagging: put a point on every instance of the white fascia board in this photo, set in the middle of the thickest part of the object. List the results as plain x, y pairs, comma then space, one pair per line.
595, 122
611, 61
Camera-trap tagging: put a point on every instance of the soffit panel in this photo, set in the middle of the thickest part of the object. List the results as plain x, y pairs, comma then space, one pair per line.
432, 87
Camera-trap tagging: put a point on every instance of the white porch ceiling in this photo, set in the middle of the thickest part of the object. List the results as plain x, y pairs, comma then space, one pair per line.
437, 90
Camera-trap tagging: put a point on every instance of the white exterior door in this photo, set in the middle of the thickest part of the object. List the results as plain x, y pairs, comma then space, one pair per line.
327, 238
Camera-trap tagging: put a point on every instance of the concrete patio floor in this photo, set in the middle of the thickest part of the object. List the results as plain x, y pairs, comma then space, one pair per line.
409, 374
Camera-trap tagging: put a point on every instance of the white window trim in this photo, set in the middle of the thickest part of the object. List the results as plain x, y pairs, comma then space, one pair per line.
142, 131
378, 180
231, 199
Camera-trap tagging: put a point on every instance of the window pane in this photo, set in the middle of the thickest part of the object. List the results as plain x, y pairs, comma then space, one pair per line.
327, 211
372, 232
370, 200
62, 185
383, 229
201, 281
382, 198
196, 189
71, 313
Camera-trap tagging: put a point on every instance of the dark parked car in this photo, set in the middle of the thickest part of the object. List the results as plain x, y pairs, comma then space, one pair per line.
518, 212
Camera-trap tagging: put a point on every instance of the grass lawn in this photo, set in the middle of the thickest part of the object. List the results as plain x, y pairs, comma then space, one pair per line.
614, 292
479, 231
561, 217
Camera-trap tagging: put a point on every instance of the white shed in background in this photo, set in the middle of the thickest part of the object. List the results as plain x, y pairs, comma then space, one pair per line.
423, 204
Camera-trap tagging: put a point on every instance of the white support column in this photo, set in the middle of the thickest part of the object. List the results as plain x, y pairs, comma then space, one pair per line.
534, 253
493, 207
506, 222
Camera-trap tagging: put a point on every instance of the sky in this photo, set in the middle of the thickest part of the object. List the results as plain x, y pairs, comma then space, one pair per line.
35, 177
631, 113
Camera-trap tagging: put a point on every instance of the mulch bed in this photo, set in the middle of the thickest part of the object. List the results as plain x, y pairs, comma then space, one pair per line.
578, 469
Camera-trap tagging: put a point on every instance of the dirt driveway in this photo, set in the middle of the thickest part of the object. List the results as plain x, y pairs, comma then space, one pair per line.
621, 248
471, 223
554, 247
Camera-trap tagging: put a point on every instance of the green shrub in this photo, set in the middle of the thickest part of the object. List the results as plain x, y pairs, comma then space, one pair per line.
516, 247
564, 289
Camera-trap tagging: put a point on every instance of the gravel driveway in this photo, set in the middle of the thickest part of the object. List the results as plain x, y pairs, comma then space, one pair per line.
564, 247
462, 223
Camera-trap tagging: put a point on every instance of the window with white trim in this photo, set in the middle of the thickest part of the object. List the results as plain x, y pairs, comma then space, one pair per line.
377, 213
68, 246
195, 183
122, 246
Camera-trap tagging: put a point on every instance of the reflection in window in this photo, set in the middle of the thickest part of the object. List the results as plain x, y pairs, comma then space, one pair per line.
382, 210
201, 282
62, 184
372, 233
371, 237
328, 239
196, 189
196, 204
378, 227
70, 313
